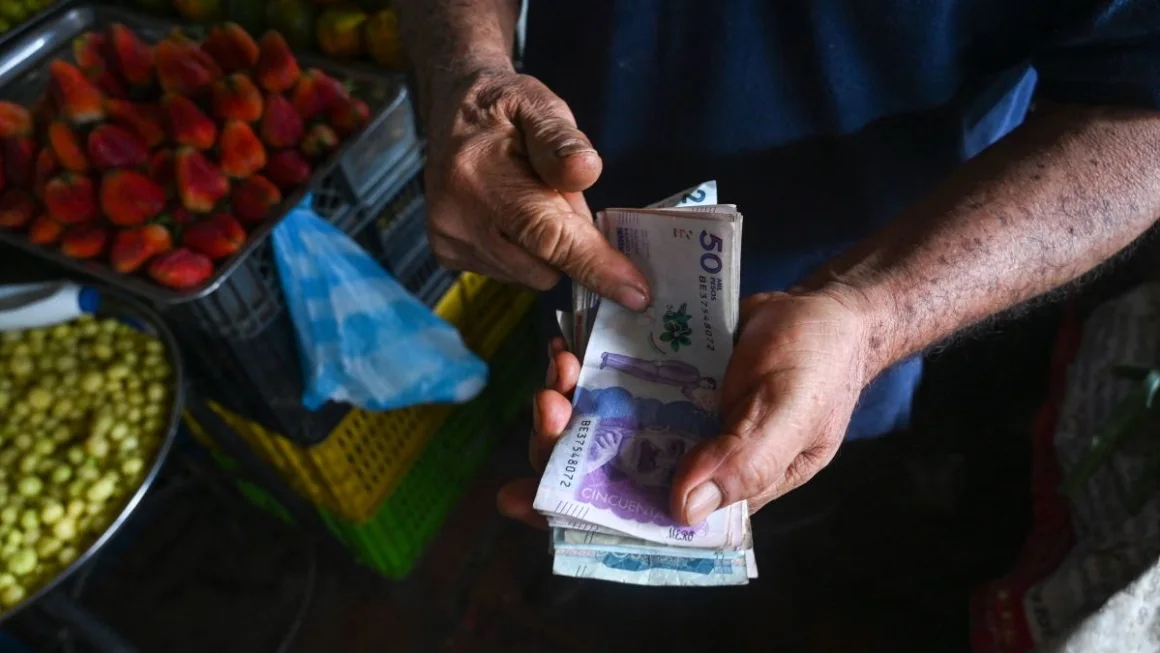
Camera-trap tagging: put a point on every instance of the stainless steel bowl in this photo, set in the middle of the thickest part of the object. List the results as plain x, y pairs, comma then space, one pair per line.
118, 306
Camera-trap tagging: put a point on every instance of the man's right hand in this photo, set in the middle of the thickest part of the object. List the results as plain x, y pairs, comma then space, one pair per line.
506, 170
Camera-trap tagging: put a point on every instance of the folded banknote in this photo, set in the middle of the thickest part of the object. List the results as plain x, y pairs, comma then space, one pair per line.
648, 393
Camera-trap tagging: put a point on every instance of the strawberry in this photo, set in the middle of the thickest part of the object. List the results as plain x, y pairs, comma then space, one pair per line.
130, 198
84, 241
46, 168
281, 125
130, 251
159, 237
319, 141
65, 144
79, 101
287, 169
43, 230
199, 182
147, 121
15, 120
20, 160
242, 154
181, 269
133, 247
276, 69
109, 83
216, 237
17, 208
315, 94
348, 116
160, 169
236, 98
183, 67
133, 58
187, 124
71, 198
89, 50
231, 47
254, 197
112, 147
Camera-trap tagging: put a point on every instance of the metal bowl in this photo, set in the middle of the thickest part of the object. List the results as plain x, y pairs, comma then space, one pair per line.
138, 316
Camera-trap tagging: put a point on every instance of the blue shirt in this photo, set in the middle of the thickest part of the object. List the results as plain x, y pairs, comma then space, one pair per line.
822, 119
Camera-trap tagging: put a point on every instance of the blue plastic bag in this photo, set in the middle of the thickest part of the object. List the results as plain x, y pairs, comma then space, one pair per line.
362, 338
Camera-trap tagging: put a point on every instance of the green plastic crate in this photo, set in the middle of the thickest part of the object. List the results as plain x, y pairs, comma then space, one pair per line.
396, 535
394, 538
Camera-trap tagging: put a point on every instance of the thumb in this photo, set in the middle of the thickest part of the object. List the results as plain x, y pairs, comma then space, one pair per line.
762, 453
561, 154
572, 244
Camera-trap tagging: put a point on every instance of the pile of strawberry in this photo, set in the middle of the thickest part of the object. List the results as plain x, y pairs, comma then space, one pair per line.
159, 158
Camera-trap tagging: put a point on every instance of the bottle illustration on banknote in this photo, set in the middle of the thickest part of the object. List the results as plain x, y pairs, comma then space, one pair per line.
700, 390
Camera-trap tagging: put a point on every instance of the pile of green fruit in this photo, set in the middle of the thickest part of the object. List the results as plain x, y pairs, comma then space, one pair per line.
15, 12
84, 407
367, 29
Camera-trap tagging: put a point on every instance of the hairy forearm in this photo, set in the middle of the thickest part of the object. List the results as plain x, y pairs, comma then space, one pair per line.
450, 39
1061, 194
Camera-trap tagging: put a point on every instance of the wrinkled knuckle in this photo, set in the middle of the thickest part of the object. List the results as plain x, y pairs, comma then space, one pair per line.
546, 237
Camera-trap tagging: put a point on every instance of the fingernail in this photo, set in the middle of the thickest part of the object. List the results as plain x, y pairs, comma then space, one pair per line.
570, 148
630, 298
550, 381
702, 501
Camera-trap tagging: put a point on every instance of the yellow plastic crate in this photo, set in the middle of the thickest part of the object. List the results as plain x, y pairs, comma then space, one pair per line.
366, 456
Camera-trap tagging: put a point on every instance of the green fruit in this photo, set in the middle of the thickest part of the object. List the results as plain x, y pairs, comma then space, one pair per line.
340, 32
382, 40
294, 19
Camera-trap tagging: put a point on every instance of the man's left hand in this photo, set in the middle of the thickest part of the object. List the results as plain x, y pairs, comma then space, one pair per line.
797, 370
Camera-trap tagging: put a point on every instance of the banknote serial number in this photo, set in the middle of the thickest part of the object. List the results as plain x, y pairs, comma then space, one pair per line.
572, 464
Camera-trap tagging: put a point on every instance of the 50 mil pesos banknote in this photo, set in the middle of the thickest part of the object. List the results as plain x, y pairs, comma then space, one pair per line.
648, 392
585, 301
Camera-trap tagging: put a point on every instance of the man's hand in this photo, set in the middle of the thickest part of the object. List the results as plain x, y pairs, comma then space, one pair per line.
506, 170
792, 384
789, 391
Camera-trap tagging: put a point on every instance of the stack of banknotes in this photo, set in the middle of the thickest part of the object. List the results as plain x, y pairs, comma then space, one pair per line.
648, 393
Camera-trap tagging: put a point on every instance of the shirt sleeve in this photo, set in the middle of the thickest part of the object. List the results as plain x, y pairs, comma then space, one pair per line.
1105, 52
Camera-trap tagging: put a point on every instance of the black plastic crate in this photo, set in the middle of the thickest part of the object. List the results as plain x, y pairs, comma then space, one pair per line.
251, 366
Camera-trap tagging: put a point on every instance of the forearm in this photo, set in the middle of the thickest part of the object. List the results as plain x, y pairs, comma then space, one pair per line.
448, 40
1054, 199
